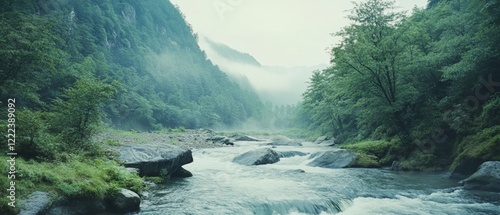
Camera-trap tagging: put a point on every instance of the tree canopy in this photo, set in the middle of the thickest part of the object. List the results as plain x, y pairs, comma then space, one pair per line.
410, 77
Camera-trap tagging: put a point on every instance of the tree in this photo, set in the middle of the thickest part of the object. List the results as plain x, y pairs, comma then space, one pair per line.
30, 57
371, 59
77, 116
371, 47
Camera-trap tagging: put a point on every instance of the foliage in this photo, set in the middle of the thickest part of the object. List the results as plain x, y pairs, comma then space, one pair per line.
407, 78
370, 153
31, 58
484, 146
147, 47
72, 65
32, 138
77, 117
366, 161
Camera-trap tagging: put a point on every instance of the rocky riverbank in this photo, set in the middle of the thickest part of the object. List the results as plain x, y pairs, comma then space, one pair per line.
186, 138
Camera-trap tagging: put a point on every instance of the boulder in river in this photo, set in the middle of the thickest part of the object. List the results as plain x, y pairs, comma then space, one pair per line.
330, 142
486, 178
36, 203
324, 141
320, 139
257, 157
288, 154
125, 201
182, 173
284, 141
465, 168
154, 159
295, 171
336, 158
246, 138
221, 139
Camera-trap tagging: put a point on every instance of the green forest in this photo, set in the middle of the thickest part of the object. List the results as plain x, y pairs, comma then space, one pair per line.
145, 50
74, 67
423, 89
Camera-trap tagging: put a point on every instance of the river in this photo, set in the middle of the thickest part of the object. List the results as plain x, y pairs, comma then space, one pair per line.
291, 187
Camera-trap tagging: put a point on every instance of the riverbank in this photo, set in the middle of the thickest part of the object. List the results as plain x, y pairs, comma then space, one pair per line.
184, 138
96, 175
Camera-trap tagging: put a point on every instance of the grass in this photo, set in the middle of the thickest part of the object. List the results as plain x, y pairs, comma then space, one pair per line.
80, 177
85, 174
62, 169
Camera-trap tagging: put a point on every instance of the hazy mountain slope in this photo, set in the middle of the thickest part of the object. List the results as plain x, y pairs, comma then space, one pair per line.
146, 46
277, 84
231, 54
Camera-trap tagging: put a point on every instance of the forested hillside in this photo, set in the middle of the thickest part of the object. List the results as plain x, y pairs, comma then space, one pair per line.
67, 66
428, 83
231, 54
144, 49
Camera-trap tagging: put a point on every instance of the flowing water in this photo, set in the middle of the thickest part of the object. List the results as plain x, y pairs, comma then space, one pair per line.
291, 187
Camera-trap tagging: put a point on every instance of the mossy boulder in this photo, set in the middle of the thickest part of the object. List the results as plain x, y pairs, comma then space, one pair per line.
370, 154
473, 150
366, 161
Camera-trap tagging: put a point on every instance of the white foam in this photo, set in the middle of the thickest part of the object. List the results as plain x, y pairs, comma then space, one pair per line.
449, 203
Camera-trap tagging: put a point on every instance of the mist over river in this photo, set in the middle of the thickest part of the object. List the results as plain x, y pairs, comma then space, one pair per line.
220, 186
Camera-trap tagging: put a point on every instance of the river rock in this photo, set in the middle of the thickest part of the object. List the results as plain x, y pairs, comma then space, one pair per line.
396, 166
182, 173
320, 139
246, 138
465, 168
215, 139
288, 154
336, 158
284, 141
36, 203
154, 159
330, 142
125, 201
486, 178
324, 141
221, 139
67, 206
257, 157
295, 171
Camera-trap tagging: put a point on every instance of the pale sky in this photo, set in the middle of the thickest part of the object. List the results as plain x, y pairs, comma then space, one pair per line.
276, 32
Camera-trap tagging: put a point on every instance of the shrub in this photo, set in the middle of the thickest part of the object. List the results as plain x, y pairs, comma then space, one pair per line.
370, 153
33, 139
77, 117
484, 145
